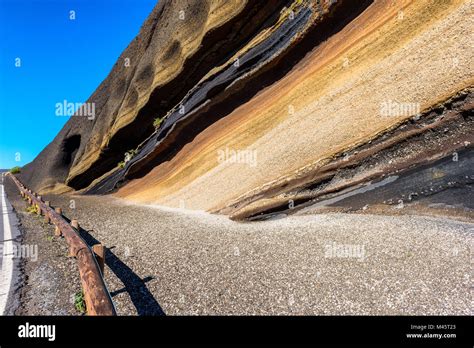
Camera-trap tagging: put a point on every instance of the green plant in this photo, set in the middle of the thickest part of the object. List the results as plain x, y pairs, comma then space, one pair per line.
79, 302
128, 156
131, 153
15, 170
32, 209
157, 122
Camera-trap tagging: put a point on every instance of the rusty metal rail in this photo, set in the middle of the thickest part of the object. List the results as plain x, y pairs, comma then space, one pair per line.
97, 297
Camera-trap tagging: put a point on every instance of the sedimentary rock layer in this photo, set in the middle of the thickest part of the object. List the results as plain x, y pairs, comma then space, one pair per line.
444, 134
242, 78
179, 43
328, 104
286, 102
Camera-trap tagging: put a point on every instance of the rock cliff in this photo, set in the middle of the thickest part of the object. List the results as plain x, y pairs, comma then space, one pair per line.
249, 108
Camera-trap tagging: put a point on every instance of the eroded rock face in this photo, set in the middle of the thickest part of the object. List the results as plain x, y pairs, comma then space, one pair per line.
178, 44
266, 103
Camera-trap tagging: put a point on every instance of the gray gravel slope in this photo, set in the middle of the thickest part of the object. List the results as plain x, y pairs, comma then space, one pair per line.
178, 262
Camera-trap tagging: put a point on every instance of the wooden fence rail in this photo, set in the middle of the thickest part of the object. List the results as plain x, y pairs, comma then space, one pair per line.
97, 297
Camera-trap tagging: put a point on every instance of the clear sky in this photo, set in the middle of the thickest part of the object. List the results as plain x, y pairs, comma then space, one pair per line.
61, 59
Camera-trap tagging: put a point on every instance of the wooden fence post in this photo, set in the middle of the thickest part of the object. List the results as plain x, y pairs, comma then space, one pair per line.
57, 231
99, 251
75, 224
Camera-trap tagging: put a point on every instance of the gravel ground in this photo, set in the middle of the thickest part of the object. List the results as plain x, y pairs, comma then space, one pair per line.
184, 262
49, 281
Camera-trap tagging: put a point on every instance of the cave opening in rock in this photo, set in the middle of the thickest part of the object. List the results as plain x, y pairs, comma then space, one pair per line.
69, 149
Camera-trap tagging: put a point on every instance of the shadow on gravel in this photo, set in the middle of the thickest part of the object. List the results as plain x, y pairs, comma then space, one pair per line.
141, 297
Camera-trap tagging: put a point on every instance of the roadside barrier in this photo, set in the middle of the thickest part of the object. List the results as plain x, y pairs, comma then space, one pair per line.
90, 263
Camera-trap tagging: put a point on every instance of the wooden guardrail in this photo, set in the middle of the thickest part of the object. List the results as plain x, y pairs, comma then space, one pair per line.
97, 297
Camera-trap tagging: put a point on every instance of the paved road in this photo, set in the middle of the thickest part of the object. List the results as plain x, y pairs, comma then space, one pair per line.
182, 262
8, 264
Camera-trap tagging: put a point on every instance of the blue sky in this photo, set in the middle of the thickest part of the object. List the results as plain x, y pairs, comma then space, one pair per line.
60, 59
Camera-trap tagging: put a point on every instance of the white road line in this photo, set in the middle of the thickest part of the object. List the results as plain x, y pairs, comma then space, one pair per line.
7, 260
